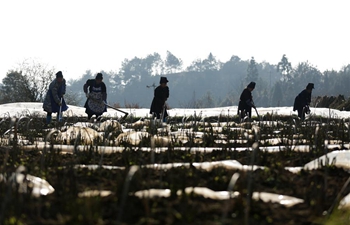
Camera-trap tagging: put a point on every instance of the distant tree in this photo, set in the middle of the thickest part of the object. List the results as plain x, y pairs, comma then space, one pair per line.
232, 72
229, 99
16, 88
129, 84
75, 88
39, 77
172, 63
196, 66
207, 101
113, 84
277, 95
190, 103
252, 71
139, 69
148, 64
73, 98
264, 97
130, 70
327, 81
285, 68
210, 63
157, 64
235, 59
339, 82
305, 73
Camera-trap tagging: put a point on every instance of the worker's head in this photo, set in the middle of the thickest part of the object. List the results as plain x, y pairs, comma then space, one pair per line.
59, 76
310, 86
163, 81
99, 78
251, 86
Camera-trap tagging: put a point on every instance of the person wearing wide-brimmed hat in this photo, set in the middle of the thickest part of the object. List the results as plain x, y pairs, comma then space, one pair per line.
246, 101
96, 94
302, 101
54, 98
161, 94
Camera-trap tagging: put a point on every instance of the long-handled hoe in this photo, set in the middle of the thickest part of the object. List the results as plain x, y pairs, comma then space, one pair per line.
126, 114
257, 113
60, 112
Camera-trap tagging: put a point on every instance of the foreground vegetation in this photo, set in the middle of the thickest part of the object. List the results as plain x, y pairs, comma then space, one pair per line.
69, 204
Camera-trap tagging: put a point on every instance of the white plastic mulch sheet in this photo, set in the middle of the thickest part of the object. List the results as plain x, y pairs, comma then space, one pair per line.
95, 193
207, 166
340, 159
345, 202
285, 200
26, 182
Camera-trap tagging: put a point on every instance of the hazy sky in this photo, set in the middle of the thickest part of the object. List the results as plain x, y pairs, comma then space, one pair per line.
77, 35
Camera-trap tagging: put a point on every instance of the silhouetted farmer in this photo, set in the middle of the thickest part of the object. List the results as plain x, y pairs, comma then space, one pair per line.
96, 94
246, 101
161, 94
54, 98
302, 101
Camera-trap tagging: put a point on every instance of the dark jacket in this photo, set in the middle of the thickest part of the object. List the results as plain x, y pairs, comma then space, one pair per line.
53, 97
161, 94
302, 99
246, 100
94, 87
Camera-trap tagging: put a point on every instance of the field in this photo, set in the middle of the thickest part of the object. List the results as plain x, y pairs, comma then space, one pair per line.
192, 170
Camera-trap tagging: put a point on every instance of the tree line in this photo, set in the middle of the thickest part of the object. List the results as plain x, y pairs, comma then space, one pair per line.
204, 83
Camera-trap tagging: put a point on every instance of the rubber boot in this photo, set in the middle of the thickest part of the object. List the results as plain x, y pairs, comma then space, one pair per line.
48, 119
